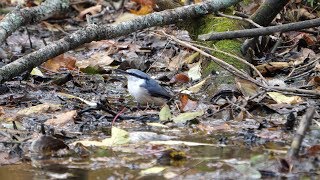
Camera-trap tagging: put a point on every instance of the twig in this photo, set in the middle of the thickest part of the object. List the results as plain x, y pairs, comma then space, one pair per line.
260, 31
306, 66
241, 74
236, 57
295, 90
220, 62
239, 18
301, 131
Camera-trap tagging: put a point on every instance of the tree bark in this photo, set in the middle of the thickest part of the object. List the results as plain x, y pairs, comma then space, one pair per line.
94, 33
261, 31
20, 17
267, 11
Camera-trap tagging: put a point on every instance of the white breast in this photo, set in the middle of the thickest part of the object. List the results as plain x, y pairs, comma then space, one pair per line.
135, 89
140, 94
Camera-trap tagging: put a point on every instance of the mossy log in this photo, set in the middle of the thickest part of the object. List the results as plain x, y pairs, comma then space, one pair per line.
212, 23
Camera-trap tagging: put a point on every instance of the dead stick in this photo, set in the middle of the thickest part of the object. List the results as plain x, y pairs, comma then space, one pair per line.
260, 31
94, 32
20, 17
301, 131
220, 62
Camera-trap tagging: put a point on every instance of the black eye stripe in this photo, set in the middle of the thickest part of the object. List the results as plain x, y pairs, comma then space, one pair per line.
136, 75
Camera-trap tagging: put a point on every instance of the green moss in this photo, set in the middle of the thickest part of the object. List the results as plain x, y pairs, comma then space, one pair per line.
230, 46
247, 2
209, 24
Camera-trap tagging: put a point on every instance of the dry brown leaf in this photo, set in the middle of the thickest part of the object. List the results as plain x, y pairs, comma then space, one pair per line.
61, 61
52, 27
91, 10
246, 87
211, 129
143, 10
186, 104
271, 67
38, 109
62, 118
98, 59
180, 78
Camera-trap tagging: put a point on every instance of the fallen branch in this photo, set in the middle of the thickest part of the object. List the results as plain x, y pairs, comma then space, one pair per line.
221, 63
20, 17
294, 90
95, 32
260, 31
239, 18
243, 75
305, 122
235, 57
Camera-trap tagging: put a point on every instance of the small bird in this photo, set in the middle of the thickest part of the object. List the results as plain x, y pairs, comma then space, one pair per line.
144, 89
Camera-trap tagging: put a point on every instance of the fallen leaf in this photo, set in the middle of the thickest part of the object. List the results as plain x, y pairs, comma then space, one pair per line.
62, 118
212, 129
165, 114
190, 59
187, 143
177, 61
69, 96
272, 67
118, 137
144, 9
91, 10
61, 61
141, 137
195, 72
247, 88
313, 150
95, 63
124, 17
157, 125
52, 27
38, 109
186, 104
153, 170
197, 87
184, 117
144, 2
281, 98
179, 78
36, 72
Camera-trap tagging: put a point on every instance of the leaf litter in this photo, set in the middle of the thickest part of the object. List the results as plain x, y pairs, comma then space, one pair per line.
222, 131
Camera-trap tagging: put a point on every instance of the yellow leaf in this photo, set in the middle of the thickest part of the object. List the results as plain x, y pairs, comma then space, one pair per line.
183, 117
145, 9
197, 87
187, 143
195, 72
281, 98
118, 137
164, 114
153, 170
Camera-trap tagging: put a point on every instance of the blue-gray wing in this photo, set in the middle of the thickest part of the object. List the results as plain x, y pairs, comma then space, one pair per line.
155, 89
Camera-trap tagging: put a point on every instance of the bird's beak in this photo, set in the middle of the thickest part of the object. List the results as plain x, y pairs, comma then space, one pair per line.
121, 71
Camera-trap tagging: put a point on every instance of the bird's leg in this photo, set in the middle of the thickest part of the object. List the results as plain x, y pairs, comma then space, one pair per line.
139, 106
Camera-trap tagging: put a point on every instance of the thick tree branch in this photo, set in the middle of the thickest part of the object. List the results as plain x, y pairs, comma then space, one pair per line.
94, 32
20, 17
267, 11
261, 31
